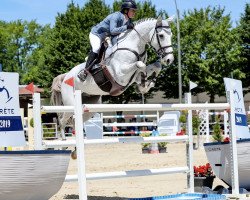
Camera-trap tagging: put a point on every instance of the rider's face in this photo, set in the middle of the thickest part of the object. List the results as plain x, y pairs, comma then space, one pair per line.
131, 13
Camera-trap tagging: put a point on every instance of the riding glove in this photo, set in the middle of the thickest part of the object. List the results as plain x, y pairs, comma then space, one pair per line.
130, 25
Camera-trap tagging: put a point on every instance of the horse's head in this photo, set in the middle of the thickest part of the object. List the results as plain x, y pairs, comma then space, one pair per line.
161, 41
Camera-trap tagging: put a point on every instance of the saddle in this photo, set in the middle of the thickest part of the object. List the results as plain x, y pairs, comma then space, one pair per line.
105, 81
102, 76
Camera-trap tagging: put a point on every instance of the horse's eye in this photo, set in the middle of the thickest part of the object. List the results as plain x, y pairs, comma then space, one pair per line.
161, 36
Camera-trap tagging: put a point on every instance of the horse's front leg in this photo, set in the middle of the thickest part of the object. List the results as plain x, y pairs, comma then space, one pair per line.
154, 69
142, 76
148, 81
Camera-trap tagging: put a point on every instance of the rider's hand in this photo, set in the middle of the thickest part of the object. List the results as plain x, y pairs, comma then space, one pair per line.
130, 25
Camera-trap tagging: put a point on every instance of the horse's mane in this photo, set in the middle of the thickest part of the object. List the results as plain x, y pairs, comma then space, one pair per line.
125, 34
143, 20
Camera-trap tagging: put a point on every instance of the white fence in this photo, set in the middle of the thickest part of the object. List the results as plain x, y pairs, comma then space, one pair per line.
80, 142
207, 123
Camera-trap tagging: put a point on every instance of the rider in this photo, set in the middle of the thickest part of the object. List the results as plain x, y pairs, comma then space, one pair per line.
112, 25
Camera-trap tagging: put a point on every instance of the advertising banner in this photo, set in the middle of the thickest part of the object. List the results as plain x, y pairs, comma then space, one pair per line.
242, 130
11, 128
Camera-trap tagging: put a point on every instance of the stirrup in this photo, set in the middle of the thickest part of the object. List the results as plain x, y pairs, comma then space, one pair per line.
82, 75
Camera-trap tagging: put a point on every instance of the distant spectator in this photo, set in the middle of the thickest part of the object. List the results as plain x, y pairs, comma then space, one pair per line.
133, 128
114, 128
109, 128
149, 128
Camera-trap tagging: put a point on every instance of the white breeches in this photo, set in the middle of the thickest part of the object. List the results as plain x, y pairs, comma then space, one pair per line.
95, 42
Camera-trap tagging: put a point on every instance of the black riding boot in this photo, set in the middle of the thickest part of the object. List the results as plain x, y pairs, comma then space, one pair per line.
82, 75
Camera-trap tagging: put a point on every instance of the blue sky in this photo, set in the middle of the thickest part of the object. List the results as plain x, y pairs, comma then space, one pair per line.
45, 11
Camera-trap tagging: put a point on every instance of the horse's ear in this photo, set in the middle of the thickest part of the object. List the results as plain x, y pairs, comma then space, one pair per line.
164, 16
171, 19
159, 21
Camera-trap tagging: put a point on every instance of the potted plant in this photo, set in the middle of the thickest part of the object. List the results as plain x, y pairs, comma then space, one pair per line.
183, 120
203, 176
196, 124
217, 132
162, 146
146, 147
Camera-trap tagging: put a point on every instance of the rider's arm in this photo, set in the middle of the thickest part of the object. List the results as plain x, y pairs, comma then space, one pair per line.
114, 29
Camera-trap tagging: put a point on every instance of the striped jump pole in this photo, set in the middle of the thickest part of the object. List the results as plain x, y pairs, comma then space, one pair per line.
130, 124
128, 116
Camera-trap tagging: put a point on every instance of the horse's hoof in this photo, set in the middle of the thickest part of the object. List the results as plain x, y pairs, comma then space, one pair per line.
74, 155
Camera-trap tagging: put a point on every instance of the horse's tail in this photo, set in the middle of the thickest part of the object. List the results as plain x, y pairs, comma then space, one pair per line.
56, 97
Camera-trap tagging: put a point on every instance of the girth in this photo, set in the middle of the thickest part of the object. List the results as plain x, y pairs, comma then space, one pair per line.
106, 82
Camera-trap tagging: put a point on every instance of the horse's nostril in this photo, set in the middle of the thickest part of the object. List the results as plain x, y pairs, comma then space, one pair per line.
170, 61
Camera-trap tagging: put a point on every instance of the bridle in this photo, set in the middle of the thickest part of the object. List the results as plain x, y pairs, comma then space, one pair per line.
161, 50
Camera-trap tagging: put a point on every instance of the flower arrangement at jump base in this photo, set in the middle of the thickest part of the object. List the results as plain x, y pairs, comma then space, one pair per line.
203, 176
203, 171
227, 139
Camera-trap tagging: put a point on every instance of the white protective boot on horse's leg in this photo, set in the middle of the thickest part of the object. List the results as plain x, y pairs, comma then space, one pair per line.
141, 65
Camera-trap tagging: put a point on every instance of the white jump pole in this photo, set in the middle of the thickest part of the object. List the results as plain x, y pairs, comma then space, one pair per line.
150, 107
132, 173
233, 146
207, 127
72, 143
82, 183
37, 122
225, 123
190, 174
137, 107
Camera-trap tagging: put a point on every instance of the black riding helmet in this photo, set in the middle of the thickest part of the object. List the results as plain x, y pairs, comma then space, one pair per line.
128, 4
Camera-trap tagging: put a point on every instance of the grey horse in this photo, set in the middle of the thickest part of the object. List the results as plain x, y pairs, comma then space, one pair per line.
124, 64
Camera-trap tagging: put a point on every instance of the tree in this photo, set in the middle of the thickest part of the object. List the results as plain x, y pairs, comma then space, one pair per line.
210, 51
244, 32
3, 41
18, 41
36, 71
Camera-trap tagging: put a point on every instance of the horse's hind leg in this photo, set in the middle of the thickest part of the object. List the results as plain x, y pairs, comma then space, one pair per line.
94, 99
63, 121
